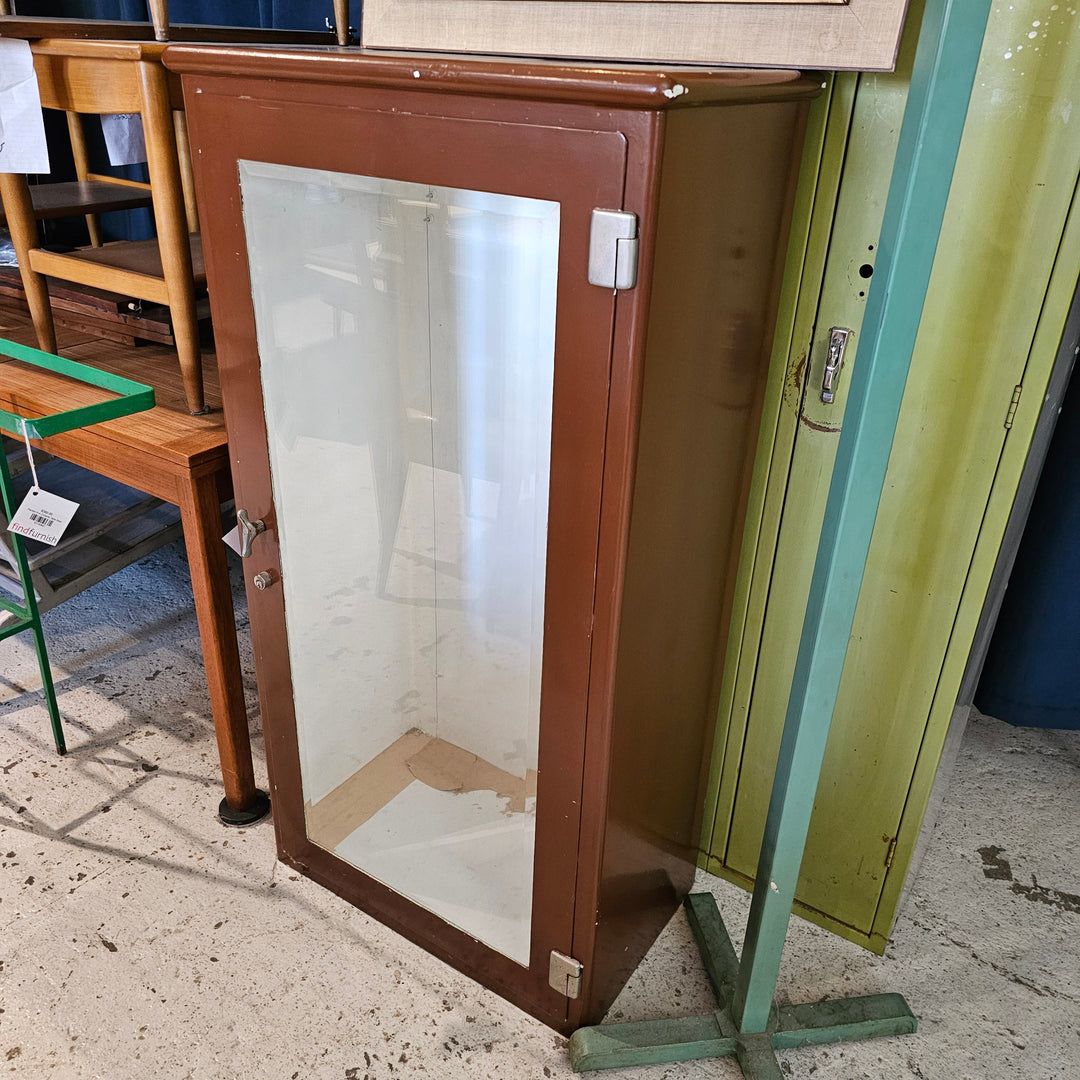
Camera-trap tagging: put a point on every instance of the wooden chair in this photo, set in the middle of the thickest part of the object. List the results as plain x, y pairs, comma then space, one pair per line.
99, 77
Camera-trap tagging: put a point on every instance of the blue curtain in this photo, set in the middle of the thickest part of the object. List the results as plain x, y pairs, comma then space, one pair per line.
1032, 672
276, 14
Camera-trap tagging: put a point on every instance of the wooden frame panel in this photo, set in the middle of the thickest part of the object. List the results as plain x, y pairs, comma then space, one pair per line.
859, 34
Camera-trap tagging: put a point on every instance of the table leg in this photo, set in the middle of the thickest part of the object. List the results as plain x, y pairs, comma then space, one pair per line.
200, 513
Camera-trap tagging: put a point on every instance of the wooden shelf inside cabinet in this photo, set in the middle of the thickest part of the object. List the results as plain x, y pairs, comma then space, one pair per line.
492, 400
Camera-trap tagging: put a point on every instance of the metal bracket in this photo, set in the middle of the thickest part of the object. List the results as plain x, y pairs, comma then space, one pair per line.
564, 974
613, 249
346, 36
1011, 414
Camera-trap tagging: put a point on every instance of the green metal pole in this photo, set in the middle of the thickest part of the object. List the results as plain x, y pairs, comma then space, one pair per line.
28, 616
132, 397
944, 73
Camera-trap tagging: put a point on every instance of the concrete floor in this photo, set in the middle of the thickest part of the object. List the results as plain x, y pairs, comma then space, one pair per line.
141, 939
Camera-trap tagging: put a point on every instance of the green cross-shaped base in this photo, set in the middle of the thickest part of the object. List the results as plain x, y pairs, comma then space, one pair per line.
651, 1042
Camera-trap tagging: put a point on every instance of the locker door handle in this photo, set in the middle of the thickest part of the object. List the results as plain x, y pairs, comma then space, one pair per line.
838, 337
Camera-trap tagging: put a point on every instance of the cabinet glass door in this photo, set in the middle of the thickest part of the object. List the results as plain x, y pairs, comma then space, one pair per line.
407, 336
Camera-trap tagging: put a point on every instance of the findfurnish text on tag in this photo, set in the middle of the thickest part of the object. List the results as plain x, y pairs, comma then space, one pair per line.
43, 516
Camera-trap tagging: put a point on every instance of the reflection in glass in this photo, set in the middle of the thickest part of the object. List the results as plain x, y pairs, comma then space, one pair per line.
406, 337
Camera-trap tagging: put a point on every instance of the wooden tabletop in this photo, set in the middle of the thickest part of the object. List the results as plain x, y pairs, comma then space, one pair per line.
167, 432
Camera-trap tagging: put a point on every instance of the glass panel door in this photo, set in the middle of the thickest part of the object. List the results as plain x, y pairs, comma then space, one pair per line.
406, 336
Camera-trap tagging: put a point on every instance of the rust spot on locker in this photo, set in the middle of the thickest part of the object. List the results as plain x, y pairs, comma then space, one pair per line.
828, 428
793, 381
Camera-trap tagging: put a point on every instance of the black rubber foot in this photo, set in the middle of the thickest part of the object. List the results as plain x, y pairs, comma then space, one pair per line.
259, 808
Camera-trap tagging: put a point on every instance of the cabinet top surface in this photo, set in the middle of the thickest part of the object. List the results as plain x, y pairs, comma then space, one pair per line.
641, 86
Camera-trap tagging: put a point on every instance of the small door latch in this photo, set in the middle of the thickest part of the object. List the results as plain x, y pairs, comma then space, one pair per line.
564, 974
834, 359
248, 530
613, 249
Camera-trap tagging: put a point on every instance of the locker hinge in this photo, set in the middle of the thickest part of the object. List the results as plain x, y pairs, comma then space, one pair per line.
613, 249
564, 974
890, 853
1017, 391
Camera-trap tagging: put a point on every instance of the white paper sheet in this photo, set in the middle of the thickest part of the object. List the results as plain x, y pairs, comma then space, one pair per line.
22, 127
124, 138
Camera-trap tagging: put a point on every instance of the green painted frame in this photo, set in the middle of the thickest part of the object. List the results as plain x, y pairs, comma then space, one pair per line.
950, 42
133, 397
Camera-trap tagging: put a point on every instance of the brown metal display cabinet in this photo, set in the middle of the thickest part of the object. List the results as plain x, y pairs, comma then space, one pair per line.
492, 340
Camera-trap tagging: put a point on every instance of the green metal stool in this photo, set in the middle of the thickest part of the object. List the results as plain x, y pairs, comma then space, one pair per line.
133, 397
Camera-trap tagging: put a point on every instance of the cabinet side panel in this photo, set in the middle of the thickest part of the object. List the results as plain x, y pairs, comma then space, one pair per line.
725, 196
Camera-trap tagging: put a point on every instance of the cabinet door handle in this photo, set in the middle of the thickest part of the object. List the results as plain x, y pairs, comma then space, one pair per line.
248, 531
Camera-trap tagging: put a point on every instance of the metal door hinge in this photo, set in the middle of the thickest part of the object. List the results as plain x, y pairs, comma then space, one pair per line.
834, 359
564, 974
613, 249
890, 853
1017, 390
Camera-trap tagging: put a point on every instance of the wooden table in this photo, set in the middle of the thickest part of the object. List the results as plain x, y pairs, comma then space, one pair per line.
183, 460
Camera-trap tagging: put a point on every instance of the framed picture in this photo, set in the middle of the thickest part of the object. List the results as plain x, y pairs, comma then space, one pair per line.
822, 34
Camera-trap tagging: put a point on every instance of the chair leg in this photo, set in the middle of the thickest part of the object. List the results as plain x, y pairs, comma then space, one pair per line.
159, 16
22, 225
77, 137
171, 221
186, 334
187, 173
341, 19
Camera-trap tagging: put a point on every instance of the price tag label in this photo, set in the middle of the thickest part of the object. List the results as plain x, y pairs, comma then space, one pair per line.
43, 516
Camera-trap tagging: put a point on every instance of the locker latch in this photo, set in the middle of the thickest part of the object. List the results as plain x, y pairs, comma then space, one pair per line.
838, 337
